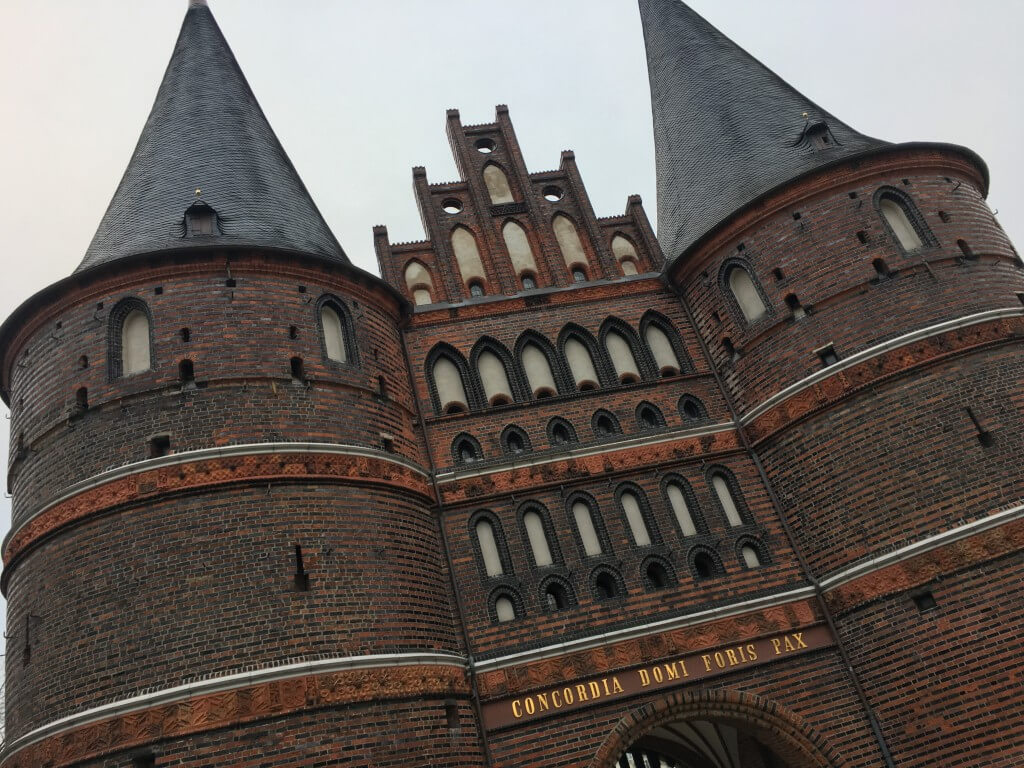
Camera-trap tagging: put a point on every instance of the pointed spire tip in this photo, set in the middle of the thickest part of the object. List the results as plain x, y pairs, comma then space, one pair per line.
196, 3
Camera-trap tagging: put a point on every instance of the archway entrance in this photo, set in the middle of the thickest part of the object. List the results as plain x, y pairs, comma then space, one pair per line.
700, 744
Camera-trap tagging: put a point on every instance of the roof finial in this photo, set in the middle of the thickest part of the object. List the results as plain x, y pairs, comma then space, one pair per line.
194, 3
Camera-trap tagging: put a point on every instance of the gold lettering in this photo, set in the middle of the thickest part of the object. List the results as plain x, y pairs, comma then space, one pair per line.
616, 687
752, 651
799, 639
645, 679
719, 659
542, 702
733, 661
556, 700
595, 690
743, 655
530, 706
707, 662
581, 692
789, 645
671, 671
683, 665
604, 682
776, 643
567, 695
657, 675
517, 709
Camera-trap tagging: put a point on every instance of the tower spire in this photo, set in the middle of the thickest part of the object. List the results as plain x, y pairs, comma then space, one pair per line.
206, 132
726, 128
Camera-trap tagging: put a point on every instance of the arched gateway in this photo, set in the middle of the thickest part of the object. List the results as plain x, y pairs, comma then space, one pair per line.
713, 729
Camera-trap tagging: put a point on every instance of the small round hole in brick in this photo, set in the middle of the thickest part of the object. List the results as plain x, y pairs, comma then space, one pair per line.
552, 193
484, 146
452, 206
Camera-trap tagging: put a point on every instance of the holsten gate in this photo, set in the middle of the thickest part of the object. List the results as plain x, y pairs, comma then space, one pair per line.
551, 491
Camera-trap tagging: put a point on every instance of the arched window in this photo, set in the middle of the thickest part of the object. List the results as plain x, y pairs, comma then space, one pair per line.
520, 251
724, 486
635, 518
334, 334
662, 351
451, 389
494, 378
622, 357
556, 594
746, 294
658, 574
649, 417
583, 514
605, 424
538, 371
514, 440
490, 550
497, 185
135, 356
129, 338
468, 257
466, 450
504, 608
536, 534
692, 409
706, 564
902, 219
476, 288
581, 364
625, 253
570, 244
750, 557
560, 432
529, 281
579, 275
419, 283
680, 499
607, 584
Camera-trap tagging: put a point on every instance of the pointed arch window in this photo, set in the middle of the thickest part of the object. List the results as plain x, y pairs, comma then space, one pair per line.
520, 251
625, 254
333, 328
497, 185
649, 417
514, 440
494, 378
581, 364
692, 408
746, 293
419, 283
621, 354
491, 545
537, 536
635, 518
680, 500
571, 246
538, 371
560, 432
130, 338
903, 220
605, 424
449, 385
467, 256
466, 450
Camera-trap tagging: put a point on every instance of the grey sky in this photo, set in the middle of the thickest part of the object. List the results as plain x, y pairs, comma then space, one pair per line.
357, 93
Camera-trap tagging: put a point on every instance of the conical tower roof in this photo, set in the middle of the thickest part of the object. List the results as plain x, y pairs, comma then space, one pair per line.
726, 128
207, 132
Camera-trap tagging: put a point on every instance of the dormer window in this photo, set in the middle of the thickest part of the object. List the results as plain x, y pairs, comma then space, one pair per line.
201, 219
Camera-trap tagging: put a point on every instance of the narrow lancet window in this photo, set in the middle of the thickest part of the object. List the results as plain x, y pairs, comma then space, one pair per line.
746, 294
621, 354
585, 525
468, 256
900, 224
538, 371
519, 250
662, 350
451, 392
635, 518
497, 185
726, 499
334, 334
534, 525
494, 378
570, 244
581, 364
135, 353
489, 548
681, 509
625, 253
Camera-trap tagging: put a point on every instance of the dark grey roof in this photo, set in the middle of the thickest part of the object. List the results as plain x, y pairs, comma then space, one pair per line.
206, 131
726, 128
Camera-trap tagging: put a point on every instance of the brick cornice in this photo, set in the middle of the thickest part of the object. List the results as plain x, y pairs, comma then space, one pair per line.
245, 704
928, 566
887, 364
257, 465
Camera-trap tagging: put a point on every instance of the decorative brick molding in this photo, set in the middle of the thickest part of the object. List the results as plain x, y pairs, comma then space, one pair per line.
630, 653
917, 571
207, 473
599, 464
781, 730
889, 364
241, 705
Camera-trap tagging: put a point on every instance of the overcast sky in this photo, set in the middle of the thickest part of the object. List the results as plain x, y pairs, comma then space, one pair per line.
357, 91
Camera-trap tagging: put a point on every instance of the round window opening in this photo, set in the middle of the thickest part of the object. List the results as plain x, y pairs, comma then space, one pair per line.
552, 193
452, 206
484, 146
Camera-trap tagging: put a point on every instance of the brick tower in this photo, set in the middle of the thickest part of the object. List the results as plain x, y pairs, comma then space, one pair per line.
554, 491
